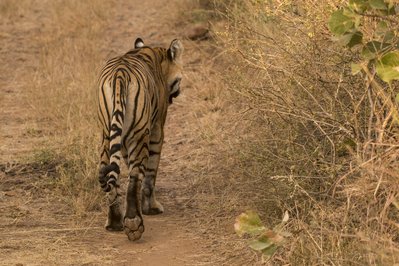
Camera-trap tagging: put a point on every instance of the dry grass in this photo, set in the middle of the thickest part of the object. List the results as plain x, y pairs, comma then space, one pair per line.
291, 129
63, 93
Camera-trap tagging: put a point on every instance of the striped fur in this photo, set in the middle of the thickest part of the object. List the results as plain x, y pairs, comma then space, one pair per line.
135, 91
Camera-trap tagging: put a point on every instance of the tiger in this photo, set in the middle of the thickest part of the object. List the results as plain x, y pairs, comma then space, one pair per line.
134, 92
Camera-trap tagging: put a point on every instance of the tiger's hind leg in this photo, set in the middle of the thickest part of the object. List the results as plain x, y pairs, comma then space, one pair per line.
150, 205
133, 221
138, 159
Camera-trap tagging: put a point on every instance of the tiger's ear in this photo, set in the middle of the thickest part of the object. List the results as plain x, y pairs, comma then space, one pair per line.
175, 50
138, 43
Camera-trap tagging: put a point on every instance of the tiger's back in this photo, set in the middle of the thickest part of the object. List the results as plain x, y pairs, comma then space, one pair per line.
134, 92
127, 83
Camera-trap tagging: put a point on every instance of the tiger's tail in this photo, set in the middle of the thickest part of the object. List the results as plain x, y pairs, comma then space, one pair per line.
109, 173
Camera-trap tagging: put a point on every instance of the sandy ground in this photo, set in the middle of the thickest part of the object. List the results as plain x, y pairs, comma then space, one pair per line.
36, 228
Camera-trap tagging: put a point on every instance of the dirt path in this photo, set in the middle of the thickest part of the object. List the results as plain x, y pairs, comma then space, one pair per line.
35, 228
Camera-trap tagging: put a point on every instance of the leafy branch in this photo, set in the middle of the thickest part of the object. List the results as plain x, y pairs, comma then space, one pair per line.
262, 239
379, 49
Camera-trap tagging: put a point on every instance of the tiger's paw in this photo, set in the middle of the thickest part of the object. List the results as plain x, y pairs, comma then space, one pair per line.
134, 228
114, 220
151, 207
114, 224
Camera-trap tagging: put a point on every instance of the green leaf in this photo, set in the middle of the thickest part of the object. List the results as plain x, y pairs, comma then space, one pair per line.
386, 12
391, 10
259, 245
391, 59
268, 252
367, 54
356, 39
356, 68
374, 46
359, 5
387, 74
389, 35
264, 240
248, 223
350, 39
267, 243
358, 2
388, 67
347, 11
372, 49
340, 23
381, 29
378, 4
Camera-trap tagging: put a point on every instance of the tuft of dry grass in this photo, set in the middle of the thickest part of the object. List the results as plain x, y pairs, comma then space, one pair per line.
291, 129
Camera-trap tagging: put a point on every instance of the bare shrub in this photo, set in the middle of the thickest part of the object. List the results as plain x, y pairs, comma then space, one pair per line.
308, 137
